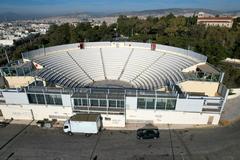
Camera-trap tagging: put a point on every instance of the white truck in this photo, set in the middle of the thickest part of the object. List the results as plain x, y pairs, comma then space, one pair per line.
83, 123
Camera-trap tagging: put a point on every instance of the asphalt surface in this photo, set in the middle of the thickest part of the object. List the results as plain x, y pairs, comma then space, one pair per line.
231, 109
33, 143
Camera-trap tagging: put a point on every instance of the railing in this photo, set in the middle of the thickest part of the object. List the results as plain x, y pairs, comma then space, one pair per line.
91, 109
211, 109
129, 92
201, 76
169, 49
16, 71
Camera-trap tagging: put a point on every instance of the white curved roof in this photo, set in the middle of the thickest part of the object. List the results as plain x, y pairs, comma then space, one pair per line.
134, 63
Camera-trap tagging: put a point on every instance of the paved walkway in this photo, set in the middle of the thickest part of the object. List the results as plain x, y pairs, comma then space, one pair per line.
232, 107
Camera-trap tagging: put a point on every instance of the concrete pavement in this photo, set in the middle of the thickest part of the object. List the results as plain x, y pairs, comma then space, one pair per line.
221, 143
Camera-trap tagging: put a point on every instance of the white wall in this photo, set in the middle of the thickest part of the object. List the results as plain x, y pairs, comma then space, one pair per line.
131, 102
169, 117
16, 112
66, 100
15, 97
190, 105
113, 120
39, 112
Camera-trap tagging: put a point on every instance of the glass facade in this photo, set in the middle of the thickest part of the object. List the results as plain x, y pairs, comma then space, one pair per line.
32, 98
52, 99
112, 103
103, 103
203, 76
150, 103
141, 103
94, 102
171, 104
159, 103
84, 102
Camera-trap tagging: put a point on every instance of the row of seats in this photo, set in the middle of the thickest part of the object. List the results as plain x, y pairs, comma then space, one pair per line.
142, 68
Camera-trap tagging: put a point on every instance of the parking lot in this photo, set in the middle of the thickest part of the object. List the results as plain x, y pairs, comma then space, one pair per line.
33, 143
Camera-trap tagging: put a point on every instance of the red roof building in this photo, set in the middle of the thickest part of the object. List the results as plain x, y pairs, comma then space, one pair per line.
215, 21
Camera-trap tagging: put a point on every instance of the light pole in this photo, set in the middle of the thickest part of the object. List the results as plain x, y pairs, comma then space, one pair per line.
6, 56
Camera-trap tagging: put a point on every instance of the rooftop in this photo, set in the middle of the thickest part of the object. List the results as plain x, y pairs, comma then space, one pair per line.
85, 117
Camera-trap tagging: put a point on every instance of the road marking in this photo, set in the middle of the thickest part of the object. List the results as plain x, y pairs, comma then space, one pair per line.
189, 154
10, 156
11, 139
94, 148
171, 144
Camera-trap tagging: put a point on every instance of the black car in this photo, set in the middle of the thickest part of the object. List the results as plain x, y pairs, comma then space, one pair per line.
147, 133
3, 124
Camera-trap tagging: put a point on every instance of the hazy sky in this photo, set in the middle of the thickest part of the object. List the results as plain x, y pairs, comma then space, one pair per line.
63, 6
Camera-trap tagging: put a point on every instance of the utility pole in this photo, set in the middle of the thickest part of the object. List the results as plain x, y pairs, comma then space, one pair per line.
6, 56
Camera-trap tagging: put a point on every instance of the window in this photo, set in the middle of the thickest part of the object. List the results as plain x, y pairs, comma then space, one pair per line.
20, 72
32, 98
26, 70
94, 102
84, 102
112, 103
13, 71
141, 103
161, 103
120, 104
57, 99
171, 104
77, 102
6, 71
40, 99
103, 103
49, 99
150, 103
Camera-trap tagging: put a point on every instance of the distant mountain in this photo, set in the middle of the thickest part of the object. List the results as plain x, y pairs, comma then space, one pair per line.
11, 16
86, 14
233, 13
163, 12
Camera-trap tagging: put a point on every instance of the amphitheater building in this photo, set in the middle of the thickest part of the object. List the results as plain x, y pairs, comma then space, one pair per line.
126, 82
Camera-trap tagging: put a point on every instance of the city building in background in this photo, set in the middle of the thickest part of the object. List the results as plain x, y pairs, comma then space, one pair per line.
221, 21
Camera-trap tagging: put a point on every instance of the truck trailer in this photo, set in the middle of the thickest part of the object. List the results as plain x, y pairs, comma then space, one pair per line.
83, 123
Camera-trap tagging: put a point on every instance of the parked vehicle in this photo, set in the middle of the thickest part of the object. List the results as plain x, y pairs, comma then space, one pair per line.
148, 133
83, 123
5, 122
46, 123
